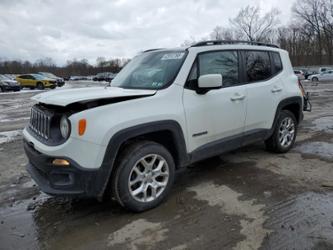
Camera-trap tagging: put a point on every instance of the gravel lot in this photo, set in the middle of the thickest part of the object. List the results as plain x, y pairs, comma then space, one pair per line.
247, 199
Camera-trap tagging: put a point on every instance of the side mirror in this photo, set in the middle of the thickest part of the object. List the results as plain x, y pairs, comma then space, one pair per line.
210, 81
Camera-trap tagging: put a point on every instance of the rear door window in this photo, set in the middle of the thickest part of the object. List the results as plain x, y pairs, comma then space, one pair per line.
257, 66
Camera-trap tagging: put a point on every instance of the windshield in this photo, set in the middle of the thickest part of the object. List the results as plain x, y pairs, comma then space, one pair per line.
150, 70
39, 77
4, 78
48, 74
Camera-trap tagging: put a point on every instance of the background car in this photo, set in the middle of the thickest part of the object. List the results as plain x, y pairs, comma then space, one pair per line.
76, 78
36, 81
104, 76
7, 84
300, 74
324, 76
324, 69
10, 76
308, 72
60, 81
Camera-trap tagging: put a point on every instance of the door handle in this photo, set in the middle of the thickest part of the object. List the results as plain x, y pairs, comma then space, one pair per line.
276, 89
237, 97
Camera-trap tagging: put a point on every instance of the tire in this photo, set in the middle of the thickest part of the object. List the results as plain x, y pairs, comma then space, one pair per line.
40, 85
128, 167
281, 141
315, 79
2, 89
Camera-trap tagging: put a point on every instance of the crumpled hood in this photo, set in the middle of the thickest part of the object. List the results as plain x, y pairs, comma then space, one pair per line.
69, 96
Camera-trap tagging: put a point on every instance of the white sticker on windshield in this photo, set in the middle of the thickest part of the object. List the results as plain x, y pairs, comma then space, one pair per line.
173, 56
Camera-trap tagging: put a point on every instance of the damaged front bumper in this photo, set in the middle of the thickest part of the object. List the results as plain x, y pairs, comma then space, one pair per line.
72, 180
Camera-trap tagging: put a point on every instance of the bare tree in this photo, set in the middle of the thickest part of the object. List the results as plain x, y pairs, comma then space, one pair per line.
254, 27
220, 33
316, 18
100, 61
72, 67
217, 33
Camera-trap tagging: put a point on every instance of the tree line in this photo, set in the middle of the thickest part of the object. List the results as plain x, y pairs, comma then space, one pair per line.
308, 38
72, 68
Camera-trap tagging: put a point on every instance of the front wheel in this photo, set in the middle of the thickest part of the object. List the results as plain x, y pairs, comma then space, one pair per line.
40, 85
143, 176
284, 135
315, 79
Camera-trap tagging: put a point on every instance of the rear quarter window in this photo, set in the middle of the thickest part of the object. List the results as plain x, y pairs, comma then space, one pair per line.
276, 62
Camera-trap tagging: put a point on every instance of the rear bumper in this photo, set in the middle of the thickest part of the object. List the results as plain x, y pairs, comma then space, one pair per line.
72, 180
60, 83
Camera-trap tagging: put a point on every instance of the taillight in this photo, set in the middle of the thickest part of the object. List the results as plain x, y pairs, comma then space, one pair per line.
301, 87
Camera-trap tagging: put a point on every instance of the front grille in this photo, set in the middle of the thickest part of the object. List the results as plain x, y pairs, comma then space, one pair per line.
40, 123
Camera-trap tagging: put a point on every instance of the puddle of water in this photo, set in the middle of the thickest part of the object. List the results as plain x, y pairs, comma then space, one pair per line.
302, 222
324, 124
8, 136
17, 230
322, 149
138, 233
230, 203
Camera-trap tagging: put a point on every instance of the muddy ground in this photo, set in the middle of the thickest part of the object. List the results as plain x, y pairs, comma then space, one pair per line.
247, 199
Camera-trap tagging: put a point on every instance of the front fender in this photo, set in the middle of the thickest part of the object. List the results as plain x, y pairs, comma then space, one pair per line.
124, 135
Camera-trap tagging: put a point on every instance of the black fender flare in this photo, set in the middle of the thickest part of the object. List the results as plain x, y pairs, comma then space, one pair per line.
126, 134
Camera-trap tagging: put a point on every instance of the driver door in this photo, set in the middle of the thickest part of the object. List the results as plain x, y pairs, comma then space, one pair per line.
219, 114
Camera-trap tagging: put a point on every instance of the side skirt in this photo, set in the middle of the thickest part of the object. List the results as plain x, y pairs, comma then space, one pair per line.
228, 144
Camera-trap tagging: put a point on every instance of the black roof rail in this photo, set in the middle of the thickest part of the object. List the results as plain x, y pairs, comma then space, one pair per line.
220, 42
148, 50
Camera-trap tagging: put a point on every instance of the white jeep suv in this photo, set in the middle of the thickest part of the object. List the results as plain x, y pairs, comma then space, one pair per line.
165, 110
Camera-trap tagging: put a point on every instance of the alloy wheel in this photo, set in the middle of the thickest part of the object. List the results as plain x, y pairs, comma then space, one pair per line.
286, 132
148, 178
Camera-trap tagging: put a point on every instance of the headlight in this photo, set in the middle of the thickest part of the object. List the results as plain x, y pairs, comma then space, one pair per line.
64, 127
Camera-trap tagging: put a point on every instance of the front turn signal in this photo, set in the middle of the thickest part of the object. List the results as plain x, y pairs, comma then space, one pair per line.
82, 126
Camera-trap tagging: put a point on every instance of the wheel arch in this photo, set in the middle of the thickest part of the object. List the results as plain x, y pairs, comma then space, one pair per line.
168, 133
294, 105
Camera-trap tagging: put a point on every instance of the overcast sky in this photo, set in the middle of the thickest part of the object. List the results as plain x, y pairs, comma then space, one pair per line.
67, 29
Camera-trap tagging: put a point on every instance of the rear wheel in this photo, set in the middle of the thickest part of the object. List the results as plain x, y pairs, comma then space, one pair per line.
315, 79
40, 85
143, 176
284, 135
